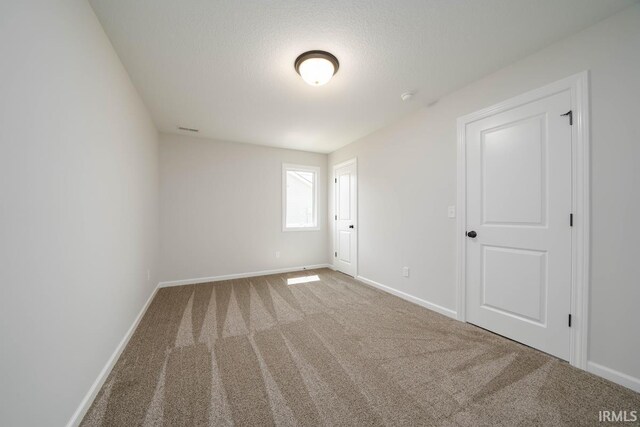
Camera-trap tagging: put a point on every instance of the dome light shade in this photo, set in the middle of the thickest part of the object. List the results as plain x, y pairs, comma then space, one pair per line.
316, 67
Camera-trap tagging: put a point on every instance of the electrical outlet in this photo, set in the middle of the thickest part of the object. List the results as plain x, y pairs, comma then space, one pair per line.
277, 254
451, 212
405, 271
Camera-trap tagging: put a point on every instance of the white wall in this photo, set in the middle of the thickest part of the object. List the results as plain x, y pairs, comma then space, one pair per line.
221, 209
407, 178
78, 207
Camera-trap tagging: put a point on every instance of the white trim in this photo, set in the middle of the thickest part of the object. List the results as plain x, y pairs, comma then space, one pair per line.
578, 84
612, 375
86, 402
199, 280
407, 297
354, 162
581, 222
302, 168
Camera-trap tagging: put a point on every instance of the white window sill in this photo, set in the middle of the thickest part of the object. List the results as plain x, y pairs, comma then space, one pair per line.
301, 229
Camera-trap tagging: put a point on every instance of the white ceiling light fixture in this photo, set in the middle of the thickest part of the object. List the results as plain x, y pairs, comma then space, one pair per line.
316, 67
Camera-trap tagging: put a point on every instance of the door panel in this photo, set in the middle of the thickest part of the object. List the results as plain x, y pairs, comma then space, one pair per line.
344, 193
514, 282
518, 203
346, 241
513, 172
344, 246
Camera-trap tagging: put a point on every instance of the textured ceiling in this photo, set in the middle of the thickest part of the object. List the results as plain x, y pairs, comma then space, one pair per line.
226, 67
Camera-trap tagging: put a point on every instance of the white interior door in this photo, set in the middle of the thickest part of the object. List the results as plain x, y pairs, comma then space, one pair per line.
518, 265
346, 240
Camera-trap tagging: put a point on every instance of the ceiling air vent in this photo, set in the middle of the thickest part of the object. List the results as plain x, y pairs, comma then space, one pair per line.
188, 129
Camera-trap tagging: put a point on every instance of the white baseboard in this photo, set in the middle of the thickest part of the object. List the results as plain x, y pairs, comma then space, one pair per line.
239, 275
79, 414
615, 376
426, 304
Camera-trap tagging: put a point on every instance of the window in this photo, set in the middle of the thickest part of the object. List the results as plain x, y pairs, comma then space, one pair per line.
299, 197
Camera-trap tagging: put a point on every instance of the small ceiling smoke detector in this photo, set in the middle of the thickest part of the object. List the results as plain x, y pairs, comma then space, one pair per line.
407, 96
316, 67
188, 129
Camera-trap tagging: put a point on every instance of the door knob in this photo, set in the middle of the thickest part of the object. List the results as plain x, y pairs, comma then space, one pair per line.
351, 226
472, 234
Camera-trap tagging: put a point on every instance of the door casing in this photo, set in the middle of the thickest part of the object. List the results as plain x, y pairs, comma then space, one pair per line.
353, 162
578, 85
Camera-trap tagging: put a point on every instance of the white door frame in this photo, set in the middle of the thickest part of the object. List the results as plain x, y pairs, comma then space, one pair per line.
578, 84
353, 162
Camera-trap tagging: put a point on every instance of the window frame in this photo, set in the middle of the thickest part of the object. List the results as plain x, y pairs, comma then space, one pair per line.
286, 167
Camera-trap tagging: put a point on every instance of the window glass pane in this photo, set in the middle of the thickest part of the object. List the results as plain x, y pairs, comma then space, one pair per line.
300, 199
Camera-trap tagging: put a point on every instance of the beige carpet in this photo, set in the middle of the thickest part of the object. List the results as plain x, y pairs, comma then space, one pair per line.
333, 352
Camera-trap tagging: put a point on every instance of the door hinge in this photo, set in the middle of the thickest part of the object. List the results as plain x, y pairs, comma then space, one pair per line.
571, 220
335, 217
570, 114
335, 180
335, 254
569, 320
